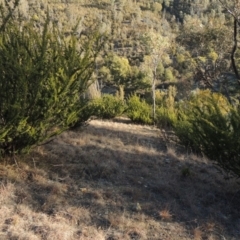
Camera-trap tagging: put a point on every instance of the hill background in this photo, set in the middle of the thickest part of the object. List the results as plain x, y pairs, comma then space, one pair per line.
197, 33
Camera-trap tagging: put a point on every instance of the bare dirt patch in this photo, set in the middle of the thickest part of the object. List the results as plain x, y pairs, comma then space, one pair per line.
114, 180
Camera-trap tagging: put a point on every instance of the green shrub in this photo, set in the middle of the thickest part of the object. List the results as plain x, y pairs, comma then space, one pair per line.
84, 114
166, 112
108, 106
166, 117
209, 124
138, 110
42, 78
168, 75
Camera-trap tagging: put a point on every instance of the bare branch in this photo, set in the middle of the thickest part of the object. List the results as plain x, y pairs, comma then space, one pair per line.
236, 17
233, 52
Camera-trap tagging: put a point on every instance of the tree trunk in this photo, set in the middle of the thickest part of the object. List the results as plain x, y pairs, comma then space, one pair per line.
153, 94
234, 50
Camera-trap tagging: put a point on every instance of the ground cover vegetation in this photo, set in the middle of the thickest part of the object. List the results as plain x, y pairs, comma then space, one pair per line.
169, 63
115, 180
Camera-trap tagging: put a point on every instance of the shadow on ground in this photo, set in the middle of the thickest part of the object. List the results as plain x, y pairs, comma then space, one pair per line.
127, 178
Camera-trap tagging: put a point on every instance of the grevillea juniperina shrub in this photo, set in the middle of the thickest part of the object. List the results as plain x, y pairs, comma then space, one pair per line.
42, 77
208, 123
138, 110
106, 106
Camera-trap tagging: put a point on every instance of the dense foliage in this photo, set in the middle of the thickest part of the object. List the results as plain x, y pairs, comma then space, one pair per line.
138, 110
106, 107
209, 124
42, 77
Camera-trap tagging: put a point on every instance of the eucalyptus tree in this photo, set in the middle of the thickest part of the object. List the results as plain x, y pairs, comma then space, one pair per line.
121, 74
156, 45
233, 8
208, 49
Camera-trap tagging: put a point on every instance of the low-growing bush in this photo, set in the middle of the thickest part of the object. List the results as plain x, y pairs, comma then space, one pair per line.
42, 77
108, 106
138, 110
166, 117
166, 112
209, 124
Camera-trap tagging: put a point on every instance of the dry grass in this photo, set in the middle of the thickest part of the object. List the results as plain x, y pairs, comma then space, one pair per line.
165, 215
112, 181
197, 234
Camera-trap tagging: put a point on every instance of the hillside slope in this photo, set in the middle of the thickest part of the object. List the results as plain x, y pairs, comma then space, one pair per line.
114, 180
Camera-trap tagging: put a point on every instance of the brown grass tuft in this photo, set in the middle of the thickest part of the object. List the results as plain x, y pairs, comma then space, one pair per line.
165, 215
197, 233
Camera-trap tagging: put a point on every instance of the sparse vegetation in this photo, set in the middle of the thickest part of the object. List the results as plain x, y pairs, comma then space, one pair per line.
115, 181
